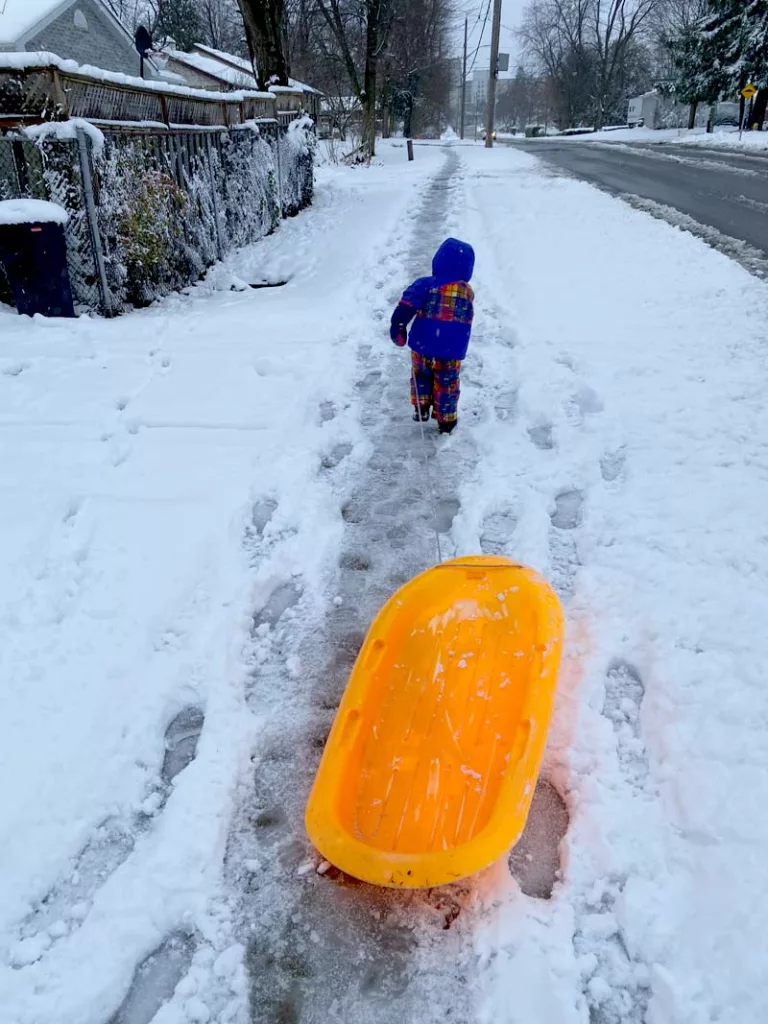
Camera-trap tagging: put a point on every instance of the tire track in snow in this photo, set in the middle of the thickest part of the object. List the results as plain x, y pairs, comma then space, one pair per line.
321, 947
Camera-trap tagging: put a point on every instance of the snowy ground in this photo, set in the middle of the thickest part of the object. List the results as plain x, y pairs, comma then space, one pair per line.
720, 138
204, 503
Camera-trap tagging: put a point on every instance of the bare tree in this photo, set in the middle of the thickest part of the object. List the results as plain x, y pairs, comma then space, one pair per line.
556, 34
616, 26
360, 29
591, 49
417, 69
222, 26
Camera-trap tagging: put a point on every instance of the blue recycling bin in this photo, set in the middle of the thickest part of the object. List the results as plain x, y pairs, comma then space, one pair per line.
33, 254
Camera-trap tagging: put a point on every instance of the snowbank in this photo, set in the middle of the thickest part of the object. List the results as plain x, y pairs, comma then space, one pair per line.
725, 138
31, 211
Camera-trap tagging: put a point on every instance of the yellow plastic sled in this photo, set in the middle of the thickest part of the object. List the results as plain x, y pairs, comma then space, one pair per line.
430, 767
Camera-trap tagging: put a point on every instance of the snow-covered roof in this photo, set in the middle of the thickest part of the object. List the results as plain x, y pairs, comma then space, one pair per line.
232, 59
238, 79
230, 68
20, 18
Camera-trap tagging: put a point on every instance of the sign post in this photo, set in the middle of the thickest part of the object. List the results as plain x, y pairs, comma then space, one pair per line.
748, 92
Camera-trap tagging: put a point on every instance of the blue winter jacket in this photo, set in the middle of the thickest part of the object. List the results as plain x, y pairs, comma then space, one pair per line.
441, 306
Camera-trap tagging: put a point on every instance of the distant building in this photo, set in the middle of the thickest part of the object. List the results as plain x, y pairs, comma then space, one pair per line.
85, 31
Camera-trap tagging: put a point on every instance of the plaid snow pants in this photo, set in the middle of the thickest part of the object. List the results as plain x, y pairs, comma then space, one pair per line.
436, 386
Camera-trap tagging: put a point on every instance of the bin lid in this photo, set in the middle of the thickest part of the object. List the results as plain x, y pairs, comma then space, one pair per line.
31, 211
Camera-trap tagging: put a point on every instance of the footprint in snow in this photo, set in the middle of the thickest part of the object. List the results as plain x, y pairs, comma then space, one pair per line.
587, 400
567, 513
497, 531
541, 437
612, 465
327, 411
535, 860
624, 693
181, 738
446, 510
336, 455
284, 597
262, 513
155, 980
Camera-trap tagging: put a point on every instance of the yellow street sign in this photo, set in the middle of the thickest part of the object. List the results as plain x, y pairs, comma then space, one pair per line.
749, 91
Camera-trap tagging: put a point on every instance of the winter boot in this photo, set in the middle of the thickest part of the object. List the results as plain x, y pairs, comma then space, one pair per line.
446, 428
421, 414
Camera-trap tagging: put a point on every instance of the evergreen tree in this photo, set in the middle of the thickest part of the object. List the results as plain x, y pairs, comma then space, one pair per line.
736, 32
698, 73
719, 55
736, 35
180, 21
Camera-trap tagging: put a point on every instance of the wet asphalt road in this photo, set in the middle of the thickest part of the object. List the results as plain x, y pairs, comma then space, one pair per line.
722, 190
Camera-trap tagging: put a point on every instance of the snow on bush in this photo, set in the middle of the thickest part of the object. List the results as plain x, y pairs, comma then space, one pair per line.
297, 155
248, 185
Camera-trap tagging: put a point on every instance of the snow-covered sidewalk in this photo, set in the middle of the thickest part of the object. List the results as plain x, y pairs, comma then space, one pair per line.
205, 502
137, 456
635, 474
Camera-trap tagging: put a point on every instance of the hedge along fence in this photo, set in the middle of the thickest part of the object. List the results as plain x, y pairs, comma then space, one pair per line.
151, 209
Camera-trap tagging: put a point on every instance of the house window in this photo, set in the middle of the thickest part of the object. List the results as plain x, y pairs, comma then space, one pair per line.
80, 20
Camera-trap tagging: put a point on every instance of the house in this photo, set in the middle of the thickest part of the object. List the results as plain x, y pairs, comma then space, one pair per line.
206, 68
85, 31
654, 109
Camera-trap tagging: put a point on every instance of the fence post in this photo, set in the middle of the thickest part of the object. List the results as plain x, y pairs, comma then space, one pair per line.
279, 168
93, 221
214, 197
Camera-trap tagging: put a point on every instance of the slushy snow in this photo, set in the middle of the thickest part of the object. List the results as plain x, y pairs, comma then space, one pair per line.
178, 494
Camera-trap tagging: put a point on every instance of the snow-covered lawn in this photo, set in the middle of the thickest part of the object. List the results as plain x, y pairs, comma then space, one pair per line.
720, 138
169, 474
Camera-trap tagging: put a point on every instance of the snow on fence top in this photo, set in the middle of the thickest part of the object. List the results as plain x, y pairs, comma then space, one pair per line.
31, 211
43, 87
42, 60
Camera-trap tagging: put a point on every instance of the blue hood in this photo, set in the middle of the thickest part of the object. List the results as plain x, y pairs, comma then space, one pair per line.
454, 261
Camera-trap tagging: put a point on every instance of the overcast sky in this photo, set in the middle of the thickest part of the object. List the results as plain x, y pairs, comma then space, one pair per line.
511, 12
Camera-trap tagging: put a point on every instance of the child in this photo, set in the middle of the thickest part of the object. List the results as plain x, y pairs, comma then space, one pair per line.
443, 309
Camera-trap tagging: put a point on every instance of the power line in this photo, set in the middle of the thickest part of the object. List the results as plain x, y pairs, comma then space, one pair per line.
476, 20
482, 33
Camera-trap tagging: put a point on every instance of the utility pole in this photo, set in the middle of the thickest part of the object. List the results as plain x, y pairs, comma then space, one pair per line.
464, 82
493, 74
